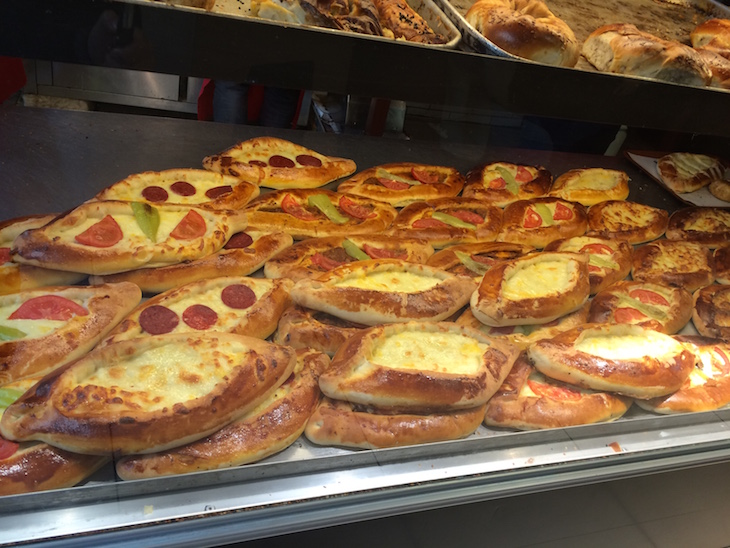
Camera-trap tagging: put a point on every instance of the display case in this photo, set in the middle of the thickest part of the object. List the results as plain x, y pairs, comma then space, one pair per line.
53, 160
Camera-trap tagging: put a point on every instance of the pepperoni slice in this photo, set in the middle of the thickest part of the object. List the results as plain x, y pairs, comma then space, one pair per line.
48, 307
506, 330
553, 392
562, 212
238, 296
356, 210
218, 191
648, 297
308, 160
377, 253
484, 259
324, 262
190, 227
280, 161
428, 222
628, 315
183, 188
597, 249
105, 233
532, 219
424, 176
155, 194
239, 240
200, 317
257, 163
497, 184
4, 255
7, 448
290, 205
523, 175
158, 320
467, 216
393, 185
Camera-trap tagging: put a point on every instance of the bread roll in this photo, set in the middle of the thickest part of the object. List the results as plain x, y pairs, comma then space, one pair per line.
712, 34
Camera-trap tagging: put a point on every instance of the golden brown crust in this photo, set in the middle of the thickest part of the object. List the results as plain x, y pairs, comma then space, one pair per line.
313, 256
379, 291
539, 221
708, 386
473, 260
405, 23
356, 376
526, 28
344, 424
721, 264
609, 261
55, 246
301, 327
256, 160
269, 428
626, 359
88, 407
426, 220
713, 33
106, 304
653, 305
257, 317
268, 213
708, 226
527, 400
191, 187
228, 261
447, 183
523, 291
487, 183
621, 220
680, 264
686, 172
589, 186
711, 311
719, 65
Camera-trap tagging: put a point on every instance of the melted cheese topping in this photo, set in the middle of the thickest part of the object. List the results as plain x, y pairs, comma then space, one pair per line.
392, 281
688, 165
614, 346
133, 235
538, 279
710, 221
703, 370
438, 352
131, 190
596, 179
620, 215
34, 329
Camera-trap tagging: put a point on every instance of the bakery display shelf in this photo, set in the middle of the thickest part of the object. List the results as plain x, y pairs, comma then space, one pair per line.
179, 41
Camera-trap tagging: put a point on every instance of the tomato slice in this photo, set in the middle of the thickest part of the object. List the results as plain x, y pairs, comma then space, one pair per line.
532, 219
506, 330
725, 365
553, 392
7, 448
628, 315
597, 249
523, 175
428, 222
105, 233
190, 227
4, 255
648, 297
424, 176
290, 205
467, 216
393, 185
562, 212
356, 210
377, 253
593, 268
497, 184
324, 262
483, 259
48, 307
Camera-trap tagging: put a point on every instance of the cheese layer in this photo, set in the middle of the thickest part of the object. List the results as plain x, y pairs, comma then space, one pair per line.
627, 346
404, 282
34, 329
537, 279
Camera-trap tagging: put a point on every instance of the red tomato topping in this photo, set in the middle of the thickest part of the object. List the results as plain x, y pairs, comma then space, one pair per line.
324, 262
7, 448
628, 315
105, 233
4, 255
424, 176
593, 268
356, 210
467, 216
725, 365
484, 259
393, 185
280, 161
497, 184
190, 227
648, 297
532, 219
506, 330
428, 222
523, 175
560, 393
562, 212
290, 205
597, 249
377, 253
48, 307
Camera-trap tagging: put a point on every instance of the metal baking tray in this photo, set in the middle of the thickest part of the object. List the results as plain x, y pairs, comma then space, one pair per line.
668, 19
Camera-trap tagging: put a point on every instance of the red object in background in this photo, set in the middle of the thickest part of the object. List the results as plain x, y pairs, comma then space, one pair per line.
12, 77
205, 101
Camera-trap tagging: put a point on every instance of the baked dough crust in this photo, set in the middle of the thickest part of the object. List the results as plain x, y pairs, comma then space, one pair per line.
713, 34
448, 182
711, 311
106, 304
687, 172
344, 424
627, 359
487, 183
524, 291
301, 327
70, 408
346, 293
266, 214
252, 161
589, 186
667, 318
517, 227
233, 261
631, 221
721, 264
527, 400
677, 263
268, 429
481, 255
298, 262
708, 226
356, 376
